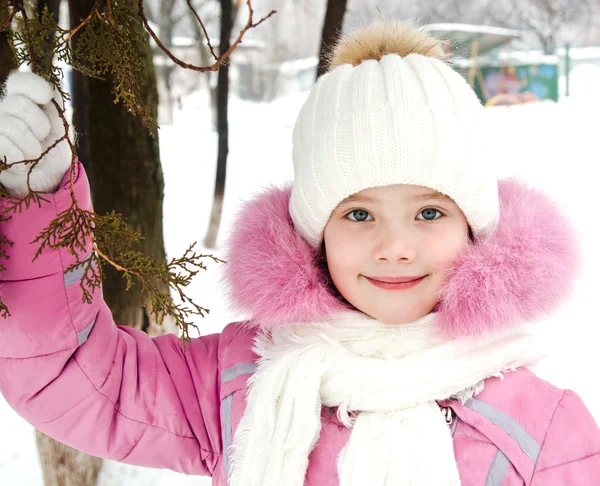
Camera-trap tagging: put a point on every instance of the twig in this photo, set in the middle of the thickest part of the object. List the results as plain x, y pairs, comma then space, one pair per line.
8, 20
221, 59
249, 25
94, 11
189, 2
113, 263
34, 67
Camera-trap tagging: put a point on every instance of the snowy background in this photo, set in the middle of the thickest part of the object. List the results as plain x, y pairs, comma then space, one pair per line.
552, 146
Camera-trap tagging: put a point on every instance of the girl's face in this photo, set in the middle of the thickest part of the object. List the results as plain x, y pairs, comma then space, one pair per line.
385, 234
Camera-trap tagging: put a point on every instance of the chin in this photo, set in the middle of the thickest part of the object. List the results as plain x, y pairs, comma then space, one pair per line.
401, 320
401, 317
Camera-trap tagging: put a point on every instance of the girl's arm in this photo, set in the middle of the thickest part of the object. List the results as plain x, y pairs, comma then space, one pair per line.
570, 453
65, 366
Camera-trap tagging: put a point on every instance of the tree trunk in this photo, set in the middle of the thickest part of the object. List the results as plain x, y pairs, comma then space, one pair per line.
548, 45
332, 28
123, 165
7, 59
63, 466
222, 126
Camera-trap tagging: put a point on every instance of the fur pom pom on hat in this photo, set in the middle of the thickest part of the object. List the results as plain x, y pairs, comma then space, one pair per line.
390, 111
382, 38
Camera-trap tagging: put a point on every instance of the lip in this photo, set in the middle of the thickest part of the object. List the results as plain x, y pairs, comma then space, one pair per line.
395, 283
397, 279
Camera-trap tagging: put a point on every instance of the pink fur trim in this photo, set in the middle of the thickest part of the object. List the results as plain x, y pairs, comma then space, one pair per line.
271, 270
524, 270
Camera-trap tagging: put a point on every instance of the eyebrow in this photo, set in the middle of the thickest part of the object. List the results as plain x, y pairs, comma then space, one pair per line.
429, 196
432, 196
357, 198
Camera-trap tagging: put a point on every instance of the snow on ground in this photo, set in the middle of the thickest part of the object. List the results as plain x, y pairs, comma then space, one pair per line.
549, 145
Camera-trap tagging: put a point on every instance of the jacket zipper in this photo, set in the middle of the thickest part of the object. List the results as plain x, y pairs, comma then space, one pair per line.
447, 413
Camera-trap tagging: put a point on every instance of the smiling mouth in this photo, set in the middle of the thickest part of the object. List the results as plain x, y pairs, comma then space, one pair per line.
395, 283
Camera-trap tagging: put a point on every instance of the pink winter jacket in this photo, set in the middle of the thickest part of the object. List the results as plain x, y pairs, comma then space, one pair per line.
114, 392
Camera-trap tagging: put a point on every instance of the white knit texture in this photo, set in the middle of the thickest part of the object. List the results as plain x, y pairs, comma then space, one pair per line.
410, 120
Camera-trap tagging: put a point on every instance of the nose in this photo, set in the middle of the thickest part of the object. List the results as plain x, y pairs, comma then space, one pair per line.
395, 244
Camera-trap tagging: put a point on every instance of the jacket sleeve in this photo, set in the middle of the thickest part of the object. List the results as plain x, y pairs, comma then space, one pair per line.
110, 391
570, 453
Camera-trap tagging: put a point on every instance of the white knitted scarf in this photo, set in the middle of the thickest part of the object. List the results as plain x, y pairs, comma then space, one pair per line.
392, 374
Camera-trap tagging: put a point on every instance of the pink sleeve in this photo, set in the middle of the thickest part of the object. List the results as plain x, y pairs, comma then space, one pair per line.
110, 391
570, 453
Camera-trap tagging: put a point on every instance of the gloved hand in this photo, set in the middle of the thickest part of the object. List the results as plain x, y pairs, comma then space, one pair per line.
29, 124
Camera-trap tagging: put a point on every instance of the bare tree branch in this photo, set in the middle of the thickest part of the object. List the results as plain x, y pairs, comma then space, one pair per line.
210, 47
222, 58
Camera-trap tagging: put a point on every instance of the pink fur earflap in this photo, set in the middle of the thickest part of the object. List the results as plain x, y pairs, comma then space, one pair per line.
524, 270
271, 271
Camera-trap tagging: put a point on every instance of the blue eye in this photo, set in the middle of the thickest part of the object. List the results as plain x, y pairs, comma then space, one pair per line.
429, 214
359, 215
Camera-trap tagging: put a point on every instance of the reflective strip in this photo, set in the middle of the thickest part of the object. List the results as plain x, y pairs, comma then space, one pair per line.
84, 333
454, 424
75, 274
497, 470
527, 443
229, 374
226, 405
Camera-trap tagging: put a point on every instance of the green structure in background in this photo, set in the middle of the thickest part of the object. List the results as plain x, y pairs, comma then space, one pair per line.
497, 82
539, 79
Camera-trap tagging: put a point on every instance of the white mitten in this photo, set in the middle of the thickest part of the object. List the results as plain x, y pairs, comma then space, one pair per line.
29, 124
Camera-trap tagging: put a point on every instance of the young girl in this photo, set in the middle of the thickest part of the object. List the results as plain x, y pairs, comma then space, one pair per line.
390, 290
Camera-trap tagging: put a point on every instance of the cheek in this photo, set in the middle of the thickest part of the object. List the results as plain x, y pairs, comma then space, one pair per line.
342, 259
442, 257
344, 254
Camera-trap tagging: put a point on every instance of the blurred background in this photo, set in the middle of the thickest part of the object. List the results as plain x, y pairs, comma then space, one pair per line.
225, 134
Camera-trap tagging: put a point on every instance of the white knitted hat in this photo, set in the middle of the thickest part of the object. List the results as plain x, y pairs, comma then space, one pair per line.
389, 112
